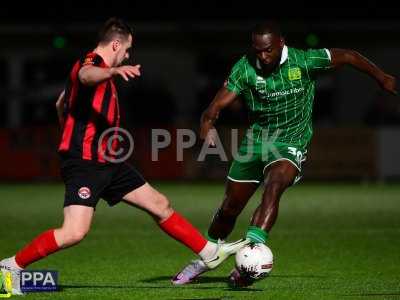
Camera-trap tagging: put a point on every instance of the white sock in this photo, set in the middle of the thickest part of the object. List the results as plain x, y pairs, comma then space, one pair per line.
12, 263
208, 251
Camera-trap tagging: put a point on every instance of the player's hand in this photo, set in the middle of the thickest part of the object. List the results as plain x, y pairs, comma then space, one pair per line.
127, 72
211, 137
208, 133
388, 83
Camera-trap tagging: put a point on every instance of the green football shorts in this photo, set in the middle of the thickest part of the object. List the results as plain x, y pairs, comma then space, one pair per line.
252, 160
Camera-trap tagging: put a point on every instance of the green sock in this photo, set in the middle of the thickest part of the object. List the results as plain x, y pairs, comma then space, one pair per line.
211, 239
256, 234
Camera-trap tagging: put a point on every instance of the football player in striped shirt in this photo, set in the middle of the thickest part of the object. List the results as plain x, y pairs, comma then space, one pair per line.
87, 108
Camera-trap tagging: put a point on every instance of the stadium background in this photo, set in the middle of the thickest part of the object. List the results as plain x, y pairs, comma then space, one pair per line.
337, 235
186, 51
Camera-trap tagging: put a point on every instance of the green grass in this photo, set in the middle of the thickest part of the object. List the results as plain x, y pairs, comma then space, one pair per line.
331, 241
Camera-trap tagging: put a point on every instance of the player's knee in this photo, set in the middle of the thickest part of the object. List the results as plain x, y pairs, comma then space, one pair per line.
275, 187
73, 237
77, 236
163, 206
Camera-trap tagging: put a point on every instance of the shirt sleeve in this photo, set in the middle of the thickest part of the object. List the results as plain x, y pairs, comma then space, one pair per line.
236, 80
92, 59
318, 60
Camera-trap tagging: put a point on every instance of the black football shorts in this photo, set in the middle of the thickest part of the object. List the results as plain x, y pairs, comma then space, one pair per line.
88, 181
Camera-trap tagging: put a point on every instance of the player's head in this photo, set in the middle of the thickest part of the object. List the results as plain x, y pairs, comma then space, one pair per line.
116, 35
267, 43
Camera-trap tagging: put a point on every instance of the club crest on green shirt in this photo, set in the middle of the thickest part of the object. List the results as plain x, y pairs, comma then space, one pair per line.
294, 73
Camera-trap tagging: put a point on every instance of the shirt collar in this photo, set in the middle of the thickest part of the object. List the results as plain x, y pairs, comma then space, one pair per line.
284, 55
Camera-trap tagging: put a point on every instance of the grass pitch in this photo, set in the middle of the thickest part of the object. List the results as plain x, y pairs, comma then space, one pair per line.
331, 241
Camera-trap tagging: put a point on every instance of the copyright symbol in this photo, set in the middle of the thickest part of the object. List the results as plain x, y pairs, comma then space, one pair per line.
115, 145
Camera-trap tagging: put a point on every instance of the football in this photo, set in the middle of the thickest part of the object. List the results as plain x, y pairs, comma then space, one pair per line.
254, 261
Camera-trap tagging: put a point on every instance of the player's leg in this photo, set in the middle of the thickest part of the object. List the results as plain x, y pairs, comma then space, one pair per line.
77, 220
170, 221
244, 178
129, 185
278, 177
84, 181
176, 226
282, 168
237, 194
243, 181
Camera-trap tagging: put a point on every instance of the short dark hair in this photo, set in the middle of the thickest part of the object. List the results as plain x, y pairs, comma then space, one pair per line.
267, 27
112, 29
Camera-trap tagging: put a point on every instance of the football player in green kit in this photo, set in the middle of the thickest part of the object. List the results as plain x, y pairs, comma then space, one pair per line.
277, 83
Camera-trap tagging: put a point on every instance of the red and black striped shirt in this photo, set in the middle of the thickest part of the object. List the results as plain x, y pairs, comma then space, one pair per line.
88, 112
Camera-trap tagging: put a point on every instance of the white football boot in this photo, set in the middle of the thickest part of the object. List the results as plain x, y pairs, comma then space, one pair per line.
199, 266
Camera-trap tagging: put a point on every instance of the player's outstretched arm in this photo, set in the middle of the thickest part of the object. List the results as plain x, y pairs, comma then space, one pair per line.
222, 99
60, 107
92, 75
342, 57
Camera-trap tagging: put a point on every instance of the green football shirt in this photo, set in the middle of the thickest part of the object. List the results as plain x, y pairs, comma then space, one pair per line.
280, 104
